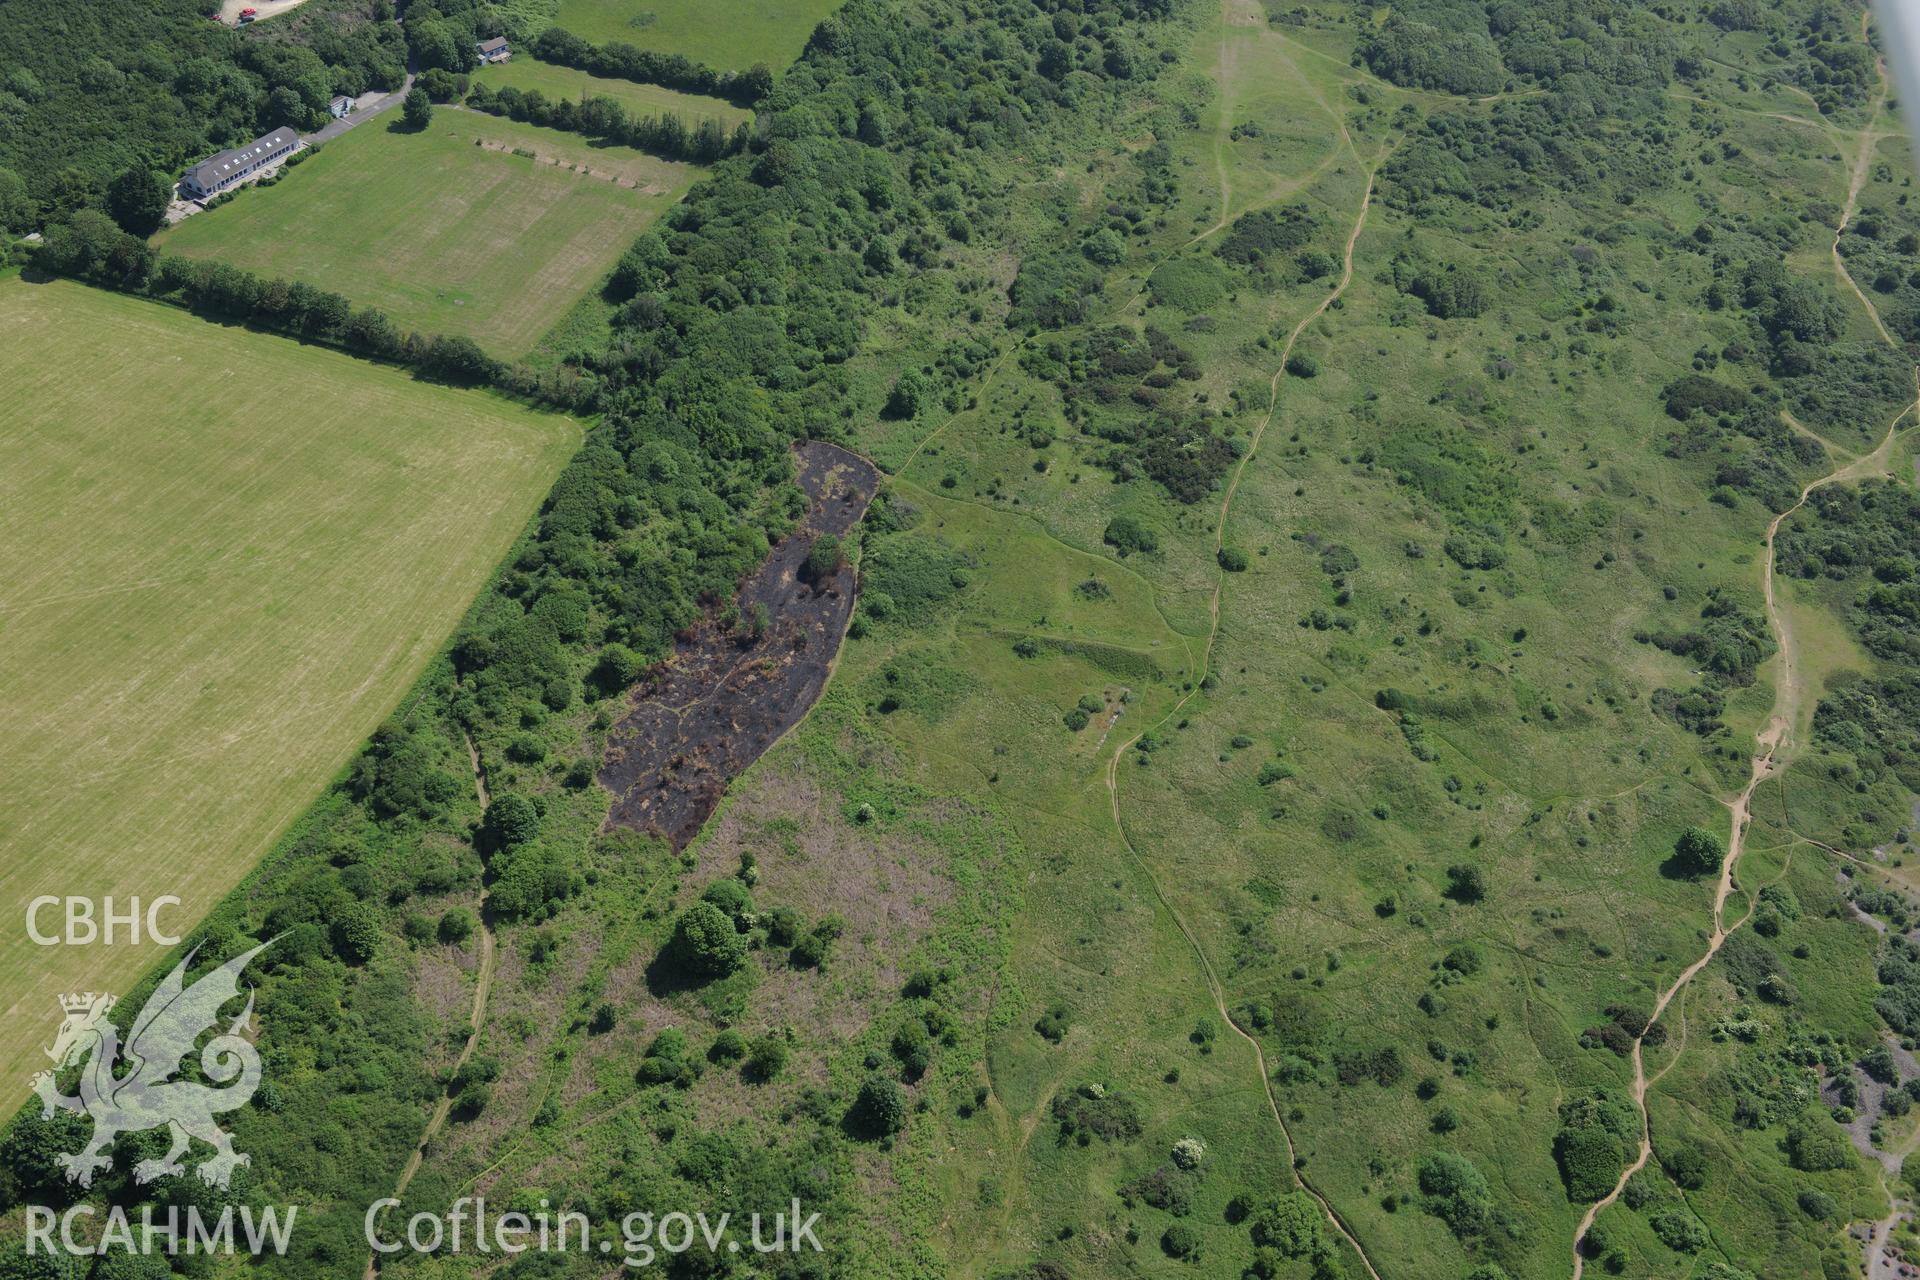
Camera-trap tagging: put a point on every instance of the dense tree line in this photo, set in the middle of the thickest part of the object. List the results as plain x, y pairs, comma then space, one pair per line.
1593, 128
358, 40
1727, 641
443, 34
1131, 391
620, 61
1874, 721
602, 117
1753, 450
873, 162
1825, 55
1598, 143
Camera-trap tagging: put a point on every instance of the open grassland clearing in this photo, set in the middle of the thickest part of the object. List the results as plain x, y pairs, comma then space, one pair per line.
567, 84
451, 230
732, 35
1421, 818
1113, 1021
226, 555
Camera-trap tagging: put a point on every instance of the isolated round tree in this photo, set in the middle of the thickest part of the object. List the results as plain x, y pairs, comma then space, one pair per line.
510, 821
705, 942
731, 897
356, 934
880, 1108
825, 558
1698, 852
766, 1058
456, 926
137, 199
417, 109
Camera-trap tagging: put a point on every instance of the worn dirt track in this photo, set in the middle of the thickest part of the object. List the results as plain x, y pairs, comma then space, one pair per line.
1775, 742
1214, 988
482, 990
722, 699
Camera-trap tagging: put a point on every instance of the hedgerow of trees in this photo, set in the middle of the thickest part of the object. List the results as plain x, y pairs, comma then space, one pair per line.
602, 117
622, 61
90, 247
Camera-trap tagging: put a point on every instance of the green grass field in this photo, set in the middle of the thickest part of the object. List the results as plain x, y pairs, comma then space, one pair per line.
565, 83
769, 31
225, 557
447, 231
1284, 826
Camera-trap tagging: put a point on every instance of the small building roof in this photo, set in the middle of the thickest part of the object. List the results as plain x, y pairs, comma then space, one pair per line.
342, 98
494, 45
215, 169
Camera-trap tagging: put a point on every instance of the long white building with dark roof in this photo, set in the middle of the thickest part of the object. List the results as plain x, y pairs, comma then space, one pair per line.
216, 173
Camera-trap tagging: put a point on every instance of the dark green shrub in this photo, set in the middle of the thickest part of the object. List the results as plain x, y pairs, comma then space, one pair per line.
766, 1058
456, 926
1590, 1160
1698, 852
1126, 535
1466, 883
1687, 1164
732, 897
879, 1110
510, 821
1815, 1144
706, 943
1181, 1241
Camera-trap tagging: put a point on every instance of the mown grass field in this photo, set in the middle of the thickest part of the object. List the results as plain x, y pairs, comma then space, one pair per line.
447, 231
565, 83
223, 557
731, 36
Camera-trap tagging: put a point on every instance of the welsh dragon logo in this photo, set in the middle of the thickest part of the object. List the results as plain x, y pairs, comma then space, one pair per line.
131, 1088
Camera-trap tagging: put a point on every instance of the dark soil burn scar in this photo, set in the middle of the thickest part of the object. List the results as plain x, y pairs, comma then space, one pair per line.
716, 705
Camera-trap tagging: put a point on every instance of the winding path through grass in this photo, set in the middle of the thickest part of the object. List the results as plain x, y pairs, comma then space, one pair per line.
482, 988
1775, 741
1214, 988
